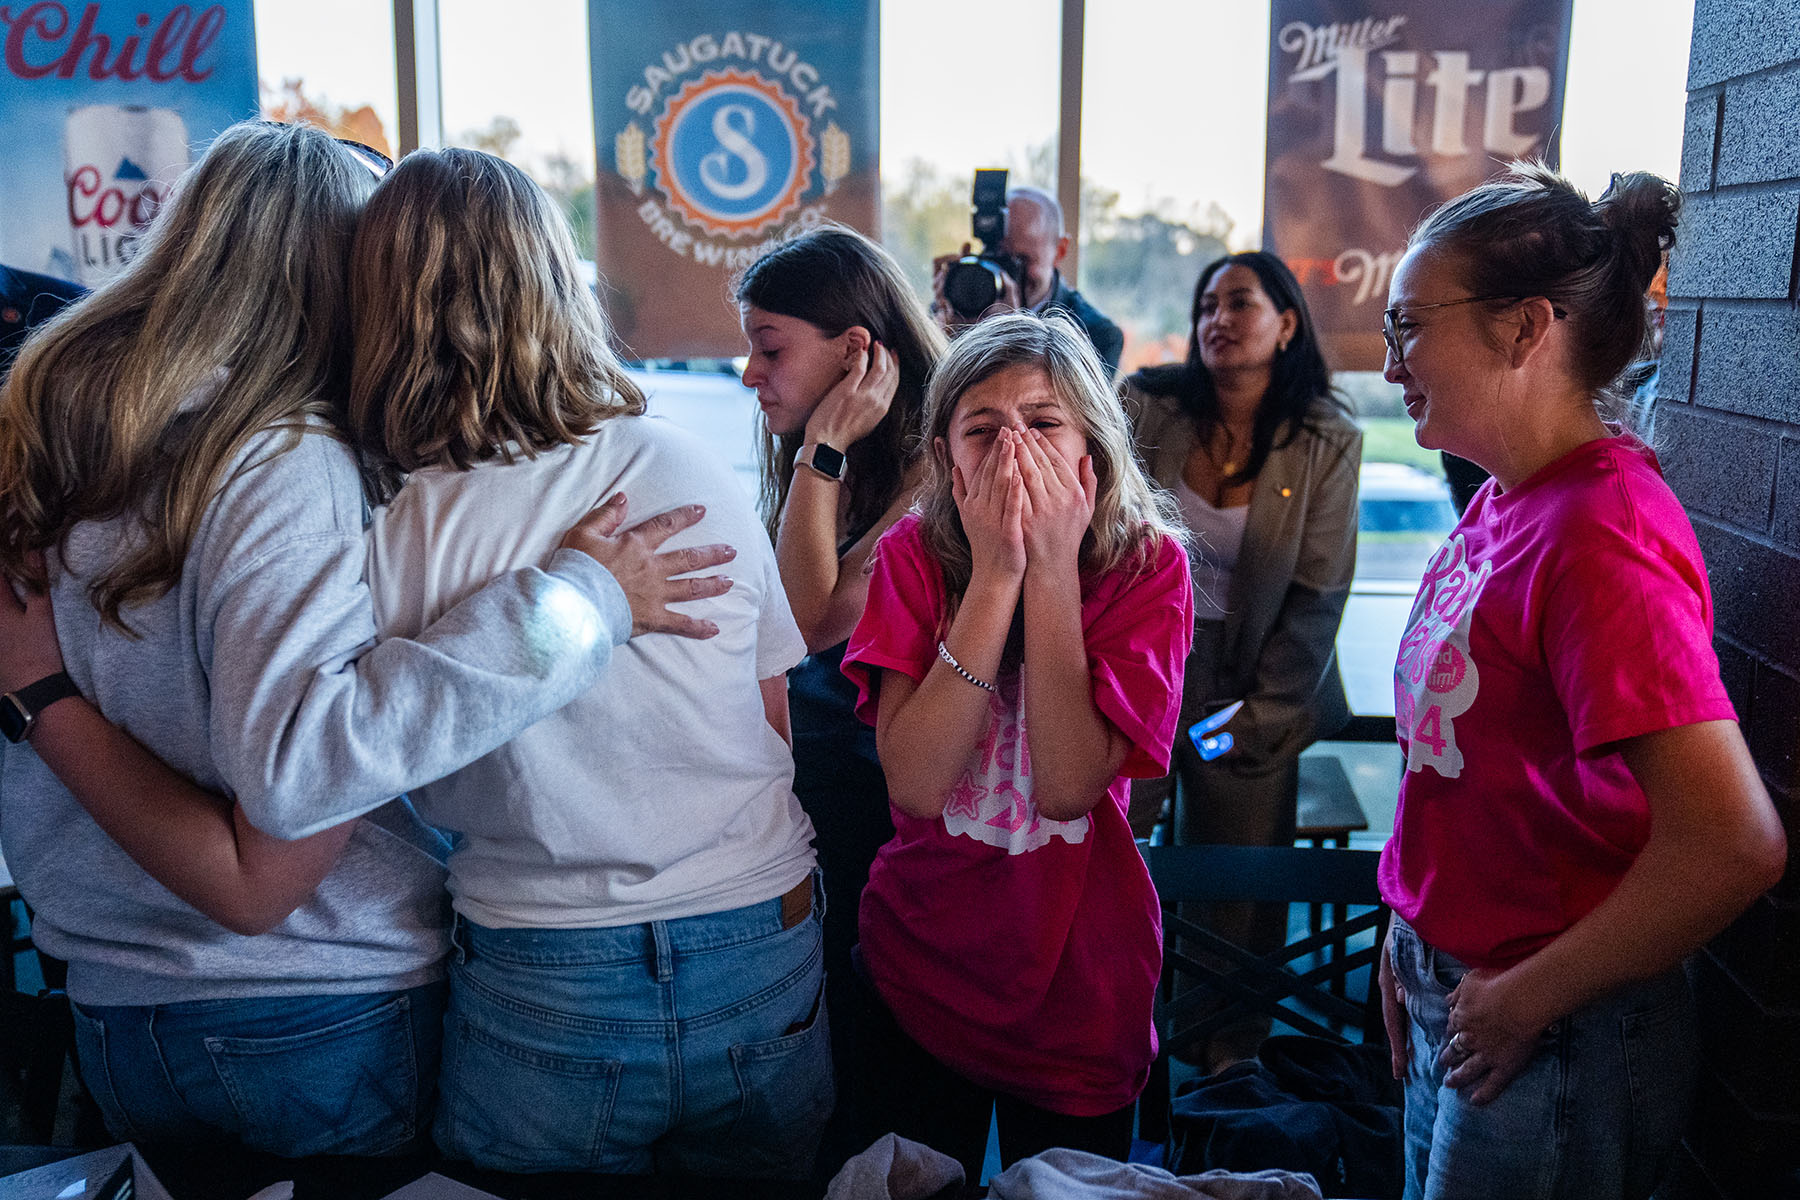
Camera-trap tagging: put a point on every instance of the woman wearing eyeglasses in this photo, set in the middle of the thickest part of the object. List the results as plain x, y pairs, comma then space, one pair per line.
1578, 810
173, 445
1262, 458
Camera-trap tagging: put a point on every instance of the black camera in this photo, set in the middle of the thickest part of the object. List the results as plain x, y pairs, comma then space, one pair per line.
975, 281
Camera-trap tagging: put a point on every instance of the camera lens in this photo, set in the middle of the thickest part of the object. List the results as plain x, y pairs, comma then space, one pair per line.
971, 284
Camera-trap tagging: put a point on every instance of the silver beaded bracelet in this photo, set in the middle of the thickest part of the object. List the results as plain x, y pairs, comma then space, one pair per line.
944, 653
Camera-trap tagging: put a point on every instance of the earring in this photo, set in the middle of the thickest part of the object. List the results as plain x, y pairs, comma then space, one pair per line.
1281, 346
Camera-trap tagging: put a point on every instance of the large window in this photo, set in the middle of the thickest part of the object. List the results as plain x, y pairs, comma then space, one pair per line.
332, 62
1172, 134
516, 83
962, 86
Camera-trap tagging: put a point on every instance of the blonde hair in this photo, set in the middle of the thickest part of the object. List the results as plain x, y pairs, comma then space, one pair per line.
833, 277
237, 295
475, 334
1131, 517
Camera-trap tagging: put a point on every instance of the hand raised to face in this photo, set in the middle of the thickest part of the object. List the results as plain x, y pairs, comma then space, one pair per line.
1059, 501
991, 501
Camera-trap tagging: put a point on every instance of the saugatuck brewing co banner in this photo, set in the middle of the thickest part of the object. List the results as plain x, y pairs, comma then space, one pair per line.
1379, 113
719, 127
103, 105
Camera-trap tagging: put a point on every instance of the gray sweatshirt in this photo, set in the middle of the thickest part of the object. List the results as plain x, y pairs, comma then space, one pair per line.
258, 676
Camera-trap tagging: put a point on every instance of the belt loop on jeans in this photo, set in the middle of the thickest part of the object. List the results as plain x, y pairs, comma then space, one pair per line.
796, 903
459, 939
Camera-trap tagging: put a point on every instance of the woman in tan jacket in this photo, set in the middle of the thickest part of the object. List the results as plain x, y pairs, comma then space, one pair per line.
1262, 458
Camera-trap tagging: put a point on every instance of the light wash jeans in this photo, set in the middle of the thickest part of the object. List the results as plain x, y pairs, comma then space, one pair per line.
291, 1075
698, 1046
1594, 1115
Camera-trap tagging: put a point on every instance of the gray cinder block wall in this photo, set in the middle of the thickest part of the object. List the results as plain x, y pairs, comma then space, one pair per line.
1728, 424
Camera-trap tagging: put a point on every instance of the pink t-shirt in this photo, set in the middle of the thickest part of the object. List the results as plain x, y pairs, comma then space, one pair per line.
1559, 618
1024, 952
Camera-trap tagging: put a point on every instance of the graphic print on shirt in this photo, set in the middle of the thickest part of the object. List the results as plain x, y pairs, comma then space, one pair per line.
991, 801
1435, 679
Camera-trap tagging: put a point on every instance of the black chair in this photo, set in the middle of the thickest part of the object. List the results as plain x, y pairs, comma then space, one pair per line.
1221, 983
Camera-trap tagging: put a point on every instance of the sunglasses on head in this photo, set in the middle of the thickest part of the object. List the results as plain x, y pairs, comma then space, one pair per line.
369, 156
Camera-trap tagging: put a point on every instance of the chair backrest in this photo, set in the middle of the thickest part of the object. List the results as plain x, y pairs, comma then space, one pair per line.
1209, 983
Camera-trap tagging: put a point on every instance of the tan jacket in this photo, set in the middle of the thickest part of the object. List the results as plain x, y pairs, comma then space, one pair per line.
1290, 584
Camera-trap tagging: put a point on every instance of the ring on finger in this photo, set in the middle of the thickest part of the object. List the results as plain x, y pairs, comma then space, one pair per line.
1458, 1048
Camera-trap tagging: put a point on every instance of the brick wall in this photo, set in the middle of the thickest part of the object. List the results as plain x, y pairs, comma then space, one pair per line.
1728, 421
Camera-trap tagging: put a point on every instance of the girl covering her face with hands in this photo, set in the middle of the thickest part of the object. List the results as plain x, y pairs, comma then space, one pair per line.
1020, 656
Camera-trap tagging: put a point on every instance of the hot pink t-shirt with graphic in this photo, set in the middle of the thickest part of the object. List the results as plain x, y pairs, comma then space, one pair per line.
1024, 952
1559, 618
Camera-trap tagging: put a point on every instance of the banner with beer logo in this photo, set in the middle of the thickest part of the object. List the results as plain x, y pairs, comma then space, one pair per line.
720, 127
1378, 113
105, 104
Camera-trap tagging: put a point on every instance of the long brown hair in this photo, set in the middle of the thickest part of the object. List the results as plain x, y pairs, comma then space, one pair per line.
232, 319
475, 335
833, 278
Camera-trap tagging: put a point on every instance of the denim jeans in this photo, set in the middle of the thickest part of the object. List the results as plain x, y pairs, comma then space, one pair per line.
1595, 1114
290, 1075
698, 1046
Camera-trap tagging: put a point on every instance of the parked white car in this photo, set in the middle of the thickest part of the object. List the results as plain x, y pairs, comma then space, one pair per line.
1403, 515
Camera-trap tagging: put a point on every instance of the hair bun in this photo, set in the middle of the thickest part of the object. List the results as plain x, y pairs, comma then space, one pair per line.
1641, 210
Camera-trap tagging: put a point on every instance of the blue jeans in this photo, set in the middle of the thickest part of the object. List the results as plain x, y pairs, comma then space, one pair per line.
1595, 1114
699, 1046
290, 1075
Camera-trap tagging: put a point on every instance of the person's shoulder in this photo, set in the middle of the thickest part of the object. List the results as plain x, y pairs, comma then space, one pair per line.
1161, 384
908, 533
1151, 398
1608, 489
1328, 419
309, 456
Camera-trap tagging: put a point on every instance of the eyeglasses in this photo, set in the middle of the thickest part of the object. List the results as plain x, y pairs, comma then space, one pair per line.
371, 158
1390, 320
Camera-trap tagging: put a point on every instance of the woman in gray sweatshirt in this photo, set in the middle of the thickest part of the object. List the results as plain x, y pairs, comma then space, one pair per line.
171, 446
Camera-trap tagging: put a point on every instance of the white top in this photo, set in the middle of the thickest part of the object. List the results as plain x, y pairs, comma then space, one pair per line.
1219, 539
661, 792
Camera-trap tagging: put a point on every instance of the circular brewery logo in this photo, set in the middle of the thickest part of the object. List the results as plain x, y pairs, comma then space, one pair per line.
732, 153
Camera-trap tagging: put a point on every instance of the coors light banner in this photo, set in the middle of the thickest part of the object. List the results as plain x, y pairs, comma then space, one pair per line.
719, 127
1378, 114
102, 105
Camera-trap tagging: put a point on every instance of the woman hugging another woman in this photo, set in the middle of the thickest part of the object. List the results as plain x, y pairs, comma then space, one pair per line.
636, 983
172, 445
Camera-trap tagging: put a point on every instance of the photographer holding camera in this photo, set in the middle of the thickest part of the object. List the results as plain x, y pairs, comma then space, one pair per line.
1023, 241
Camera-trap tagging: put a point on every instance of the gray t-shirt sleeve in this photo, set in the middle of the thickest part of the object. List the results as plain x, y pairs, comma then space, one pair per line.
312, 722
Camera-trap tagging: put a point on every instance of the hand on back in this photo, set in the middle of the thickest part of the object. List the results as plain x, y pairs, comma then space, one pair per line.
647, 575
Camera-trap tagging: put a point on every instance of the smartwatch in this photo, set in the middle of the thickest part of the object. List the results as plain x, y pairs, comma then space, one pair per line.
827, 461
19, 710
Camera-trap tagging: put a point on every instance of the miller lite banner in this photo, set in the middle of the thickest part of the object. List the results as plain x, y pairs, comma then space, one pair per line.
1377, 114
720, 128
102, 106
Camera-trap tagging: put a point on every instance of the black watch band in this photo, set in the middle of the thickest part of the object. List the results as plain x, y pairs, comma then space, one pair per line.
827, 461
19, 710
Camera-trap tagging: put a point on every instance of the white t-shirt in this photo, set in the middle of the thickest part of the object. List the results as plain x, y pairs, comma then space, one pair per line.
661, 792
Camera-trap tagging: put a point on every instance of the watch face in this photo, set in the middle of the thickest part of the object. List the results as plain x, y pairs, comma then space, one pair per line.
14, 720
828, 460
